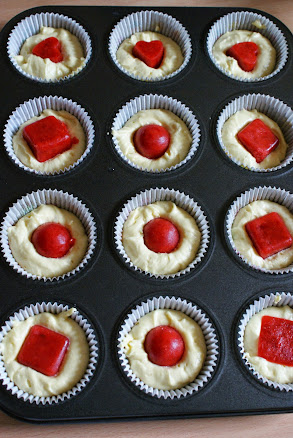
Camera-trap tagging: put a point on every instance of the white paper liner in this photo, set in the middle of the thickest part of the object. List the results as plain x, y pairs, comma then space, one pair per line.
242, 20
181, 200
155, 101
34, 107
197, 315
278, 299
269, 193
275, 109
31, 25
30, 202
155, 22
55, 308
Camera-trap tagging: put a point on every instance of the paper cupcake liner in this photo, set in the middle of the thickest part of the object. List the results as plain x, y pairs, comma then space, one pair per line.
35, 309
242, 20
273, 194
31, 25
150, 21
181, 200
33, 108
275, 109
30, 202
207, 328
155, 101
272, 300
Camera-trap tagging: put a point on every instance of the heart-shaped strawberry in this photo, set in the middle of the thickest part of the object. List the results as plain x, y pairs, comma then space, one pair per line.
49, 48
151, 53
245, 54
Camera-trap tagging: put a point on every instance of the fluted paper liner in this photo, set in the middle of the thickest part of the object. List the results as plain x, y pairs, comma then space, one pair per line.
269, 193
33, 108
155, 22
242, 20
55, 308
275, 109
60, 199
31, 25
155, 101
278, 299
194, 313
181, 200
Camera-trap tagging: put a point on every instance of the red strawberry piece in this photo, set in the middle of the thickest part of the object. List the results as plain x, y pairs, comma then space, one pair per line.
52, 240
47, 138
151, 141
49, 48
275, 342
258, 139
151, 53
245, 54
161, 235
164, 346
43, 350
269, 234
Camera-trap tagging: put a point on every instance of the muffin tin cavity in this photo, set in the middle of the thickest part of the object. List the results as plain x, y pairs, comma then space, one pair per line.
150, 21
277, 195
181, 200
273, 108
59, 199
273, 300
212, 345
54, 308
31, 25
33, 108
254, 22
155, 101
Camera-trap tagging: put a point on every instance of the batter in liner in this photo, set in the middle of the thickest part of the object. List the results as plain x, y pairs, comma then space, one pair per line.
60, 161
243, 243
172, 60
166, 377
272, 371
180, 138
236, 150
72, 51
74, 364
266, 58
28, 258
161, 263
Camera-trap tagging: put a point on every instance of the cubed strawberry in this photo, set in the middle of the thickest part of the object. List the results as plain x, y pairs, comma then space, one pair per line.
275, 342
47, 138
269, 234
258, 139
43, 350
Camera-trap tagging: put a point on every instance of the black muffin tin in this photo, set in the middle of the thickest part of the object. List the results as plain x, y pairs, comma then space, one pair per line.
106, 289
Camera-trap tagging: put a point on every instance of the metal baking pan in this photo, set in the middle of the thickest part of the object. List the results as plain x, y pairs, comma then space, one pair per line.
106, 289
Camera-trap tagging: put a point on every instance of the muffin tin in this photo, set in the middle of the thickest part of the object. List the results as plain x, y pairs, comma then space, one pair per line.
105, 290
